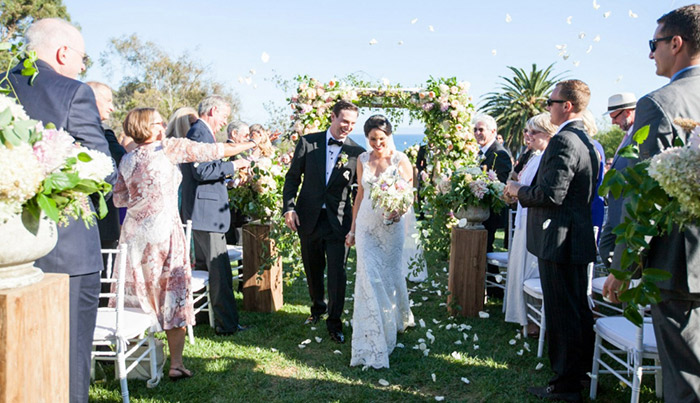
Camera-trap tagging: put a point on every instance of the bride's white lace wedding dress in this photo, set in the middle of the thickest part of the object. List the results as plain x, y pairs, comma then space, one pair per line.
381, 307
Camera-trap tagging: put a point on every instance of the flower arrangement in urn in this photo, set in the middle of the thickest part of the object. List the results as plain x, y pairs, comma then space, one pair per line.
257, 191
43, 169
471, 187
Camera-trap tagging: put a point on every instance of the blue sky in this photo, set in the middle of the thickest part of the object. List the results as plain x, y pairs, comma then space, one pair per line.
471, 40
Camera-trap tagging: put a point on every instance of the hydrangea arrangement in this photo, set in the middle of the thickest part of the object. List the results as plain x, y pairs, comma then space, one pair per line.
391, 193
45, 170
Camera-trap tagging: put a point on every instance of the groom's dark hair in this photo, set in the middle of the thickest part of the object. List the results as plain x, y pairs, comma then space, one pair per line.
378, 122
344, 105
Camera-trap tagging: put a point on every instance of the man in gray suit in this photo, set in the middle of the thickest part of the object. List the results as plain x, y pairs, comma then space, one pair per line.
560, 234
675, 48
621, 108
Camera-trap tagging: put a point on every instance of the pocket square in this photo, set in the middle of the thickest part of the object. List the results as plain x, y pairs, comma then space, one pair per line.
346, 175
545, 224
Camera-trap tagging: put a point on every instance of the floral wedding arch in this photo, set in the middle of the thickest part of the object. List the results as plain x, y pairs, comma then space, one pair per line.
443, 105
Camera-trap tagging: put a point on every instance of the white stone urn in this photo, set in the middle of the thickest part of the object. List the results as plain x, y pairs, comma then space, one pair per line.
475, 215
23, 240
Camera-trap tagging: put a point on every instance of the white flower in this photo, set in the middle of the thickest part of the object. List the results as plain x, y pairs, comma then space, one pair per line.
17, 110
21, 177
97, 169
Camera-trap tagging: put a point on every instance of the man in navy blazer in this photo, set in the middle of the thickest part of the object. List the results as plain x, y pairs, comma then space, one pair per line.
560, 234
205, 202
57, 97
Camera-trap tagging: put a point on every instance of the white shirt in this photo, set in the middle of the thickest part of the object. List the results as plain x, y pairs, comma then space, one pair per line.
332, 152
561, 126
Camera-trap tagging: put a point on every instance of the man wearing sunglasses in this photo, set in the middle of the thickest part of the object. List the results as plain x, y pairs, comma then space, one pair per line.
675, 48
621, 108
560, 234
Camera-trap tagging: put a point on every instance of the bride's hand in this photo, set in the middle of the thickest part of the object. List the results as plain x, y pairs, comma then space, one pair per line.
350, 239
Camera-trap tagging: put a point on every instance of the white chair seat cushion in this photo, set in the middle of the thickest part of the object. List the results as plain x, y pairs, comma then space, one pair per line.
135, 321
622, 333
235, 252
200, 279
597, 284
499, 259
533, 287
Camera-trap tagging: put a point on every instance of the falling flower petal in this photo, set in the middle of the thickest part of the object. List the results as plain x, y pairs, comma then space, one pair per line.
483, 315
252, 71
430, 28
421, 322
597, 38
415, 20
400, 43
337, 352
596, 5
433, 376
539, 366
566, 57
632, 14
439, 398
520, 352
577, 63
606, 14
373, 41
265, 57
568, 19
318, 339
240, 79
590, 48
465, 380
248, 80
619, 78
581, 35
384, 382
508, 18
493, 52
560, 47
512, 342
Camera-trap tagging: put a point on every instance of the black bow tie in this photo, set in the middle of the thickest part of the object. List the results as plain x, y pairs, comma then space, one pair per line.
332, 141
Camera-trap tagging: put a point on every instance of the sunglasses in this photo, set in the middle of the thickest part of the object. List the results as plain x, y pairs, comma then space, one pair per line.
652, 42
551, 101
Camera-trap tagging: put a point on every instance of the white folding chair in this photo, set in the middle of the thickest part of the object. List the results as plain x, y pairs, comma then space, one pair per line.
533, 288
199, 287
500, 260
629, 346
235, 255
124, 330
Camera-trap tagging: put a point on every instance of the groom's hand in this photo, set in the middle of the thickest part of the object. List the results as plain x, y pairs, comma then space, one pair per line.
291, 220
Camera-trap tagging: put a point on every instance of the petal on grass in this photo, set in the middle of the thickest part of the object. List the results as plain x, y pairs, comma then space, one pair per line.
433, 377
337, 352
483, 315
539, 366
512, 342
384, 382
465, 380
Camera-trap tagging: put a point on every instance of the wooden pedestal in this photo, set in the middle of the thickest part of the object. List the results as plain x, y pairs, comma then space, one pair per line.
467, 272
34, 341
261, 292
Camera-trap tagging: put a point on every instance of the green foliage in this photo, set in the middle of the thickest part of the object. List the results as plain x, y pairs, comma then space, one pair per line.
610, 140
518, 99
153, 78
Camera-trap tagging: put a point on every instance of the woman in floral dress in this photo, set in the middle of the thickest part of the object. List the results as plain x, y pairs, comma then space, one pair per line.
158, 265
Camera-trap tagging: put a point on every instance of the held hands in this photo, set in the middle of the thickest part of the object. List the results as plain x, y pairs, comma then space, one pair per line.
350, 238
510, 193
613, 288
291, 220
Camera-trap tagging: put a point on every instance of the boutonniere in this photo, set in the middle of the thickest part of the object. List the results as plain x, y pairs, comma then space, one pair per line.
342, 160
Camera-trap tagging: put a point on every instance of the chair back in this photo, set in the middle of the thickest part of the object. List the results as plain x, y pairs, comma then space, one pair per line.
511, 226
115, 257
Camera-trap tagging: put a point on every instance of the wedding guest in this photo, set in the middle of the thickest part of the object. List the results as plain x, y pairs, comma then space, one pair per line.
324, 165
559, 233
675, 48
522, 265
524, 155
205, 202
264, 149
237, 131
621, 108
381, 307
494, 157
158, 276
598, 203
180, 122
109, 225
56, 96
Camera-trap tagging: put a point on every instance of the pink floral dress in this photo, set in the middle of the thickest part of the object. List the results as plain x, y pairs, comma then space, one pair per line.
158, 272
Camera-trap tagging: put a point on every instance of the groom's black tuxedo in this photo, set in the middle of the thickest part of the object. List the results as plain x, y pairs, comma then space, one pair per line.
322, 230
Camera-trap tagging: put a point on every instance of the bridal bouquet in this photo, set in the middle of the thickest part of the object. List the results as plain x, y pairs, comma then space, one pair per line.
392, 193
43, 169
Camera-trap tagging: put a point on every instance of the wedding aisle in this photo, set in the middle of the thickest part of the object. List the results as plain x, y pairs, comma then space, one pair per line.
281, 360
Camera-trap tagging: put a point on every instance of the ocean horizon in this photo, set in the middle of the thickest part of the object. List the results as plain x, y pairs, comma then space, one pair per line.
403, 141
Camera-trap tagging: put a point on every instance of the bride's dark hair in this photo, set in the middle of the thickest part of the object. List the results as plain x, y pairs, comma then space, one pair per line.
378, 122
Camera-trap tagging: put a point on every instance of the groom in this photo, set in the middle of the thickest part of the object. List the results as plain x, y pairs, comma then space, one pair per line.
321, 212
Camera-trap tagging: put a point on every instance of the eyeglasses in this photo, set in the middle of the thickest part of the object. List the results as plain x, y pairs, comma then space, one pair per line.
86, 58
551, 101
616, 115
652, 42
161, 123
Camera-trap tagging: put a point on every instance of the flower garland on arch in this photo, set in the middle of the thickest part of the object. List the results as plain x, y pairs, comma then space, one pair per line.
442, 104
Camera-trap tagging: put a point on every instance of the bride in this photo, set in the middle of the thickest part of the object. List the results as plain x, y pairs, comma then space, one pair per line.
381, 307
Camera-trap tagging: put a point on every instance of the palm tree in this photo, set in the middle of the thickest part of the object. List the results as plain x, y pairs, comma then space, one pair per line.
520, 98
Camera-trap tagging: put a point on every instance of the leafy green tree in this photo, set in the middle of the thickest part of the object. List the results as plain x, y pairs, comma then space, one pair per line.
610, 139
520, 97
17, 15
155, 79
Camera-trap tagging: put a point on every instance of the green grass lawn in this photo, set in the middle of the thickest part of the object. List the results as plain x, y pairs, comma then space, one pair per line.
265, 363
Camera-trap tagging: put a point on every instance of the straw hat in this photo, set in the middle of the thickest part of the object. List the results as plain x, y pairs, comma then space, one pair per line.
625, 100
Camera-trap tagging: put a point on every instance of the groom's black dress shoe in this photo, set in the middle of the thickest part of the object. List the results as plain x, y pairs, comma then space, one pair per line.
337, 336
312, 320
237, 329
550, 393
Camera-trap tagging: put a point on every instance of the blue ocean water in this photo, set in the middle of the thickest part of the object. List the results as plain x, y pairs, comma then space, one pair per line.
403, 141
